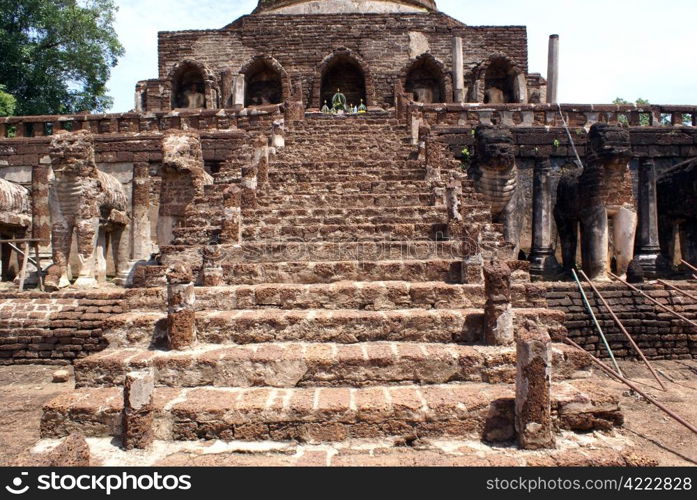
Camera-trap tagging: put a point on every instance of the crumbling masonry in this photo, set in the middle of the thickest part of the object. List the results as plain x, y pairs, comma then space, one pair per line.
229, 262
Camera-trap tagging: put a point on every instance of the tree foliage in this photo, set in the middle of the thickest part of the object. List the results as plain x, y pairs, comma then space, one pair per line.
644, 120
7, 102
56, 55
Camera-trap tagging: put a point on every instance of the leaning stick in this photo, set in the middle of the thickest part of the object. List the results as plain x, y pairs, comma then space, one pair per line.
688, 265
651, 299
595, 321
634, 387
624, 330
674, 288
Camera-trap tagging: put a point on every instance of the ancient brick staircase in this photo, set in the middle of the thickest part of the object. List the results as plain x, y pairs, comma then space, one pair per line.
341, 316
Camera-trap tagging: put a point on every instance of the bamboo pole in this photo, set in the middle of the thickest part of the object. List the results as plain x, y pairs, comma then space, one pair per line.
595, 320
651, 299
634, 387
688, 265
624, 330
682, 292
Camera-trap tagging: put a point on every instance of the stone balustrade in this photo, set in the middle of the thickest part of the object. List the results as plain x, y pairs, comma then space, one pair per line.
125, 123
548, 115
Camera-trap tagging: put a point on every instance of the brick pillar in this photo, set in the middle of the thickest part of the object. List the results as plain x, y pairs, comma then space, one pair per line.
41, 216
138, 412
533, 412
212, 271
181, 316
543, 262
140, 231
232, 219
498, 311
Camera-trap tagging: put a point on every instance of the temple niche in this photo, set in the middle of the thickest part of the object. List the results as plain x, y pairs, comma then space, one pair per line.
425, 81
188, 88
502, 83
345, 74
263, 84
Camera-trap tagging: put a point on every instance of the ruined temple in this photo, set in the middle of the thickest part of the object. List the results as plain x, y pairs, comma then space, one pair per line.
340, 220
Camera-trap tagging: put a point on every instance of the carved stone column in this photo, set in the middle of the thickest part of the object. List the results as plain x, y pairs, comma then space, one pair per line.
140, 230
543, 262
648, 245
458, 71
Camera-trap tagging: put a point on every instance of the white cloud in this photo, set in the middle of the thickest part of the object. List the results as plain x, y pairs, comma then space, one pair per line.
608, 48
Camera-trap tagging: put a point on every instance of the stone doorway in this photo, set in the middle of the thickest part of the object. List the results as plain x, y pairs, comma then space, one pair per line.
188, 88
345, 74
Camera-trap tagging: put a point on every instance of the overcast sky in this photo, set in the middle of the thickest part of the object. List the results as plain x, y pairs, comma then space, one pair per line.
609, 48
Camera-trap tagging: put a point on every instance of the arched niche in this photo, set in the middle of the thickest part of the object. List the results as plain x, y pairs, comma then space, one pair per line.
425, 80
499, 81
191, 85
266, 82
346, 71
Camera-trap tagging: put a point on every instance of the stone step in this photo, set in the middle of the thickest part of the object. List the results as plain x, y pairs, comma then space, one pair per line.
345, 326
319, 365
326, 414
321, 251
271, 215
251, 273
286, 163
352, 187
365, 296
353, 200
345, 232
367, 175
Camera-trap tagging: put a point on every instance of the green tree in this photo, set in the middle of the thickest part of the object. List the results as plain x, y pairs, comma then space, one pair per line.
56, 55
644, 119
7, 102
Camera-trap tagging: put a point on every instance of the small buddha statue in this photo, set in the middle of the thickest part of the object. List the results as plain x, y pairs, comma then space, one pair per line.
339, 101
325, 108
362, 108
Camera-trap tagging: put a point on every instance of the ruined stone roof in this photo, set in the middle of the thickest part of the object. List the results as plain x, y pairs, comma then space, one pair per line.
343, 6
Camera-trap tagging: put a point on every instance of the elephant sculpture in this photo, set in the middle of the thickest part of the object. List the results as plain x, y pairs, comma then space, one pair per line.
15, 205
495, 175
600, 194
82, 198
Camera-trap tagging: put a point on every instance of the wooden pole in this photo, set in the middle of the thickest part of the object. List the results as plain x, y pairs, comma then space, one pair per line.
634, 387
624, 330
688, 265
651, 299
39, 272
595, 320
683, 292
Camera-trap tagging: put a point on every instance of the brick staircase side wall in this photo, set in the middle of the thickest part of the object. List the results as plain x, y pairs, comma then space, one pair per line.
659, 334
38, 328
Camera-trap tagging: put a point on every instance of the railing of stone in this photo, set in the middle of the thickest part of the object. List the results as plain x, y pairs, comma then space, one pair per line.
547, 115
124, 123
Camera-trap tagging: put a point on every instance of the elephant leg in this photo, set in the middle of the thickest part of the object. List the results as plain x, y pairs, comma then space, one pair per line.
61, 238
594, 242
121, 252
87, 234
567, 227
624, 229
513, 223
100, 263
688, 241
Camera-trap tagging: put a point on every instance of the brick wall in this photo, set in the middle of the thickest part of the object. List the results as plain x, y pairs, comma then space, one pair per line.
658, 334
54, 329
300, 43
